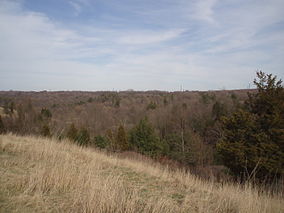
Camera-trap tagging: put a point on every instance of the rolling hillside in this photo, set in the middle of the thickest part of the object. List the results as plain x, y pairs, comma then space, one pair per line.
44, 175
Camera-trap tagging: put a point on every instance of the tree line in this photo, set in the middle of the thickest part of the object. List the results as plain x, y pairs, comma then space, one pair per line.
246, 137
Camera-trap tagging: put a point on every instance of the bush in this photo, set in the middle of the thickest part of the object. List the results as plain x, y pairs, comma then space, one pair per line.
72, 132
83, 137
45, 131
45, 113
101, 142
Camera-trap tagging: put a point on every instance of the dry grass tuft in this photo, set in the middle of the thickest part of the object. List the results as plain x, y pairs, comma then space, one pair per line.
42, 175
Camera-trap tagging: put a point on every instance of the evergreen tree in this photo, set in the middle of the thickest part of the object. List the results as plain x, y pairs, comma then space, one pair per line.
12, 107
111, 138
253, 137
6, 108
2, 127
83, 137
144, 139
218, 110
101, 142
45, 113
72, 132
121, 139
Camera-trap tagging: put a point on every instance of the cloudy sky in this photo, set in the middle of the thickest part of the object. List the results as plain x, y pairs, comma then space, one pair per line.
139, 44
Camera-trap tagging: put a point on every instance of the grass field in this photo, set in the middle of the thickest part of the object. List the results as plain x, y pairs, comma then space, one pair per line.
44, 175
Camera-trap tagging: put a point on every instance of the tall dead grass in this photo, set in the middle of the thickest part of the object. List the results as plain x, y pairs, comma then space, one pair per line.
42, 175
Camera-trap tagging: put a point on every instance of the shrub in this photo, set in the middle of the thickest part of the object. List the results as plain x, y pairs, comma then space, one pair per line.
72, 132
83, 137
90, 100
101, 142
45, 131
45, 113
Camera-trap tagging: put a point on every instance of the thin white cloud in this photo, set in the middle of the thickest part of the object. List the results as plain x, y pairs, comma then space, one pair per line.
204, 10
77, 7
149, 37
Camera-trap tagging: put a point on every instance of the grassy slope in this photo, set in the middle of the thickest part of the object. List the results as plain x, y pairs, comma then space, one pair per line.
41, 175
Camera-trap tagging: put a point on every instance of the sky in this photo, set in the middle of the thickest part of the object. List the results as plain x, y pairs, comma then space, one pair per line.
118, 45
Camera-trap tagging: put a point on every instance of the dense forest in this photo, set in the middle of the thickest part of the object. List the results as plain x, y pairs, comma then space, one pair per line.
202, 131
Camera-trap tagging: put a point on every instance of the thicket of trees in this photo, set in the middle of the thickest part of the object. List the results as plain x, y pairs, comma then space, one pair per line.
197, 129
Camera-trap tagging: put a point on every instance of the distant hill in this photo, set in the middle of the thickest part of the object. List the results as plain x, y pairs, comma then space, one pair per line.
102, 110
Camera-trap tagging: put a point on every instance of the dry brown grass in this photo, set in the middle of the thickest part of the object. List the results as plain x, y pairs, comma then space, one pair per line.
42, 175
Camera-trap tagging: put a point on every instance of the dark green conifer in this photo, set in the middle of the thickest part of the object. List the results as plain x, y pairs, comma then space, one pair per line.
101, 142
253, 137
72, 132
2, 127
144, 139
121, 139
83, 137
